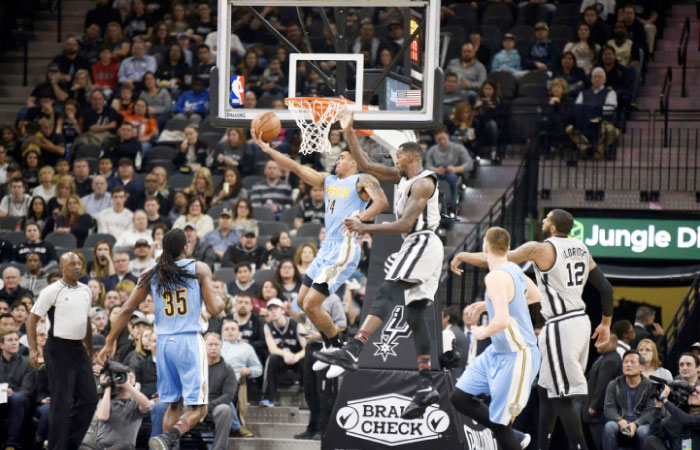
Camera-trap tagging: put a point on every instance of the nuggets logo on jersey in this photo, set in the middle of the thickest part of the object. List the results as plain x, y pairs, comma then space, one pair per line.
237, 90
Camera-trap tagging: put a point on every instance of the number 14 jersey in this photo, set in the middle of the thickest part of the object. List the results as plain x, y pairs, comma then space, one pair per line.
562, 285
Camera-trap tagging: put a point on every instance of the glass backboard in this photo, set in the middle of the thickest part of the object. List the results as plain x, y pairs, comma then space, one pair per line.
382, 55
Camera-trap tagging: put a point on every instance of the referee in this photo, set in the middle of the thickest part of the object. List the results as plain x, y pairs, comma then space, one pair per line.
69, 368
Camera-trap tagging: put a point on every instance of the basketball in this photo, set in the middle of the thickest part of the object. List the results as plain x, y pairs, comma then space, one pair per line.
268, 125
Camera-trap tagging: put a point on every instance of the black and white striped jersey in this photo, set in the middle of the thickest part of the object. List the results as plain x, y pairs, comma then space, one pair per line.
562, 285
430, 217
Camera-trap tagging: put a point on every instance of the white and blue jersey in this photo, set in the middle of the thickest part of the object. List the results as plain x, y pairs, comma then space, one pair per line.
340, 253
508, 367
181, 358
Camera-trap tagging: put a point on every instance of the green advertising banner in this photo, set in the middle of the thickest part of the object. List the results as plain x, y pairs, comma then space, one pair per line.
639, 238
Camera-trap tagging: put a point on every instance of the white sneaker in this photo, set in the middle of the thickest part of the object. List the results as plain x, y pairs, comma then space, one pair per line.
334, 372
320, 365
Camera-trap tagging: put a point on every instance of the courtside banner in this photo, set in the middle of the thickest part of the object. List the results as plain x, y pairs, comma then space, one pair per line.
391, 346
367, 415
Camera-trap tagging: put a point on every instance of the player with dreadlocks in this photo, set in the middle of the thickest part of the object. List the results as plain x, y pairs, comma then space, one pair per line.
178, 286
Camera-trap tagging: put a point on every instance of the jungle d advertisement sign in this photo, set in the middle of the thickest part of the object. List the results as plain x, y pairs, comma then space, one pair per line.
639, 238
367, 415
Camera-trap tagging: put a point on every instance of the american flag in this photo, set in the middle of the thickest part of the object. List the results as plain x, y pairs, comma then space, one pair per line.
410, 97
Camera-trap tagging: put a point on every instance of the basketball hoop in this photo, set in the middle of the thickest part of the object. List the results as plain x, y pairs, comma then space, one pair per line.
314, 116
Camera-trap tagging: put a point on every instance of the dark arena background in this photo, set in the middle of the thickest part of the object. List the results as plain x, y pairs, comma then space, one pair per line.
123, 119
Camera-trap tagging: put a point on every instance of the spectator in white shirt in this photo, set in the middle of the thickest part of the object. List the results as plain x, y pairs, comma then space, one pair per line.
117, 219
139, 230
16, 203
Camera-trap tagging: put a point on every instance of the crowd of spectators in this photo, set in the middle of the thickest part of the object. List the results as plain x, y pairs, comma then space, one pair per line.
114, 148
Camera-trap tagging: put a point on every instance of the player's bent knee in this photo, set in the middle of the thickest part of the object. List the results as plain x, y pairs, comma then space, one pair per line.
462, 401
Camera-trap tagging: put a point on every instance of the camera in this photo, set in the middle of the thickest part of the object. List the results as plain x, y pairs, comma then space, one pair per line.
680, 390
117, 373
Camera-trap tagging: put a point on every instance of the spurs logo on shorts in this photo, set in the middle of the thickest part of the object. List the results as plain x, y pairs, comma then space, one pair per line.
396, 328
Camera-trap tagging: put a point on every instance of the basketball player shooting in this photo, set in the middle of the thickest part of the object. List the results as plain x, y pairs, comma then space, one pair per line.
178, 286
562, 266
506, 369
415, 272
345, 194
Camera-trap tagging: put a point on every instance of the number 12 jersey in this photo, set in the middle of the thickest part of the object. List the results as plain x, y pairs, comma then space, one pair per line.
562, 285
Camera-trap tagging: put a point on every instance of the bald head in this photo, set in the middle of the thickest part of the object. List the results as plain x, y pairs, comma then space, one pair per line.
71, 267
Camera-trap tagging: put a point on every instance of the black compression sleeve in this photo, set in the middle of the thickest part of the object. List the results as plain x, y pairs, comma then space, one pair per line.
605, 289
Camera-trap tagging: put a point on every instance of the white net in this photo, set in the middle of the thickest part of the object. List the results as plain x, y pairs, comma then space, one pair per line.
314, 117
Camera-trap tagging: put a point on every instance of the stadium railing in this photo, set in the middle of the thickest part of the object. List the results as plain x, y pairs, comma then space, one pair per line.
683, 330
512, 211
641, 161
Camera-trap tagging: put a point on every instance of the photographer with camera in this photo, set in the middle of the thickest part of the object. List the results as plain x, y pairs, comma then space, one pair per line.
628, 406
121, 409
680, 430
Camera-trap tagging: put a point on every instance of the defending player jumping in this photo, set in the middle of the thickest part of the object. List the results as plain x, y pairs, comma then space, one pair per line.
506, 369
345, 194
415, 272
178, 287
562, 266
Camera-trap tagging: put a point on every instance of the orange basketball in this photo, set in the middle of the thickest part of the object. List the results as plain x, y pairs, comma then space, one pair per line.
267, 124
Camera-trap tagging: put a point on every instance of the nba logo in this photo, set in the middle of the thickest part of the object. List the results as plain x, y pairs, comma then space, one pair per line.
237, 90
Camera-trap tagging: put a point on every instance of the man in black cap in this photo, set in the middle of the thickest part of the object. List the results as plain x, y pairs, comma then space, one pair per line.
49, 88
143, 260
224, 236
543, 54
395, 39
246, 251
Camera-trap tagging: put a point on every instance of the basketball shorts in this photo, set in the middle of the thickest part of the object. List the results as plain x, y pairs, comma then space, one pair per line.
183, 368
335, 262
563, 343
506, 377
419, 261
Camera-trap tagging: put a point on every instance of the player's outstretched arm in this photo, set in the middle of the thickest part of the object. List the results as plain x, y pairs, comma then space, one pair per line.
365, 165
213, 302
421, 191
309, 175
137, 296
369, 189
500, 288
473, 259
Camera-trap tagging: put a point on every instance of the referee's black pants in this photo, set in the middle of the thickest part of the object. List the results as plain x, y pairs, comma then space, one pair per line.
73, 392
319, 391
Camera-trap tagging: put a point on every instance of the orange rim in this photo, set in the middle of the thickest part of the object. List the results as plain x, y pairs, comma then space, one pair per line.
317, 105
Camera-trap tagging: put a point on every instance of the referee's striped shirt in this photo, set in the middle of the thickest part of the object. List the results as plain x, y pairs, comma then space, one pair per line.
67, 307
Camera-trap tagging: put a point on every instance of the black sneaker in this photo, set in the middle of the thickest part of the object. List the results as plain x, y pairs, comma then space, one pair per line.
307, 434
421, 400
160, 442
340, 357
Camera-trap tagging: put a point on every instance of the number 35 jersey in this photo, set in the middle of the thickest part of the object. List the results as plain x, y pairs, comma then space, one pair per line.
562, 285
179, 310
